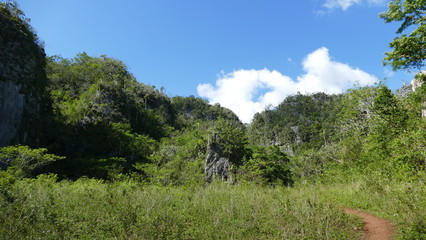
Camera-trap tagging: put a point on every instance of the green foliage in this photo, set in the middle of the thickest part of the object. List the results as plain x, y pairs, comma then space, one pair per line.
373, 124
6, 187
191, 109
231, 139
364, 149
26, 162
103, 148
388, 109
91, 209
300, 122
388, 121
416, 103
267, 165
179, 159
111, 169
408, 150
102, 112
378, 134
87, 90
408, 51
401, 202
16, 16
354, 118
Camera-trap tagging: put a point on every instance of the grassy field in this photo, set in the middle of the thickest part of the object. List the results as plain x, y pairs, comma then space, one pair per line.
90, 209
401, 202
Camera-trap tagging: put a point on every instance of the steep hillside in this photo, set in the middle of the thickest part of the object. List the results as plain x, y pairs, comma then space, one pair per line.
22, 78
300, 122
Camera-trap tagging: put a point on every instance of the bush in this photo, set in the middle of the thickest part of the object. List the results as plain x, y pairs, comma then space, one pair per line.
24, 161
267, 165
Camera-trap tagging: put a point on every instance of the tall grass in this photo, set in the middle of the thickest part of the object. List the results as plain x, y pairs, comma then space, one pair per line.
401, 202
90, 209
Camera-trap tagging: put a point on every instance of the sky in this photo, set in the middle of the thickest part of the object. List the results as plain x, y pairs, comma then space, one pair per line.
243, 54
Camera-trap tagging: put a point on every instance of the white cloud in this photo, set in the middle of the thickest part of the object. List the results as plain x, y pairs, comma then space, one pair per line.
345, 4
377, 2
238, 90
325, 75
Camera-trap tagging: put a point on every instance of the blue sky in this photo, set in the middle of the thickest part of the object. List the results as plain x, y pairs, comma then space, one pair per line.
243, 54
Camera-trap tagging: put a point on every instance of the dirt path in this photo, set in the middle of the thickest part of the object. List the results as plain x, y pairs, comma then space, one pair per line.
375, 228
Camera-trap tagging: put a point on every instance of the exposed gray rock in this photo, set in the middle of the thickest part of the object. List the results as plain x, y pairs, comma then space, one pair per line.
216, 163
418, 80
22, 79
11, 111
404, 90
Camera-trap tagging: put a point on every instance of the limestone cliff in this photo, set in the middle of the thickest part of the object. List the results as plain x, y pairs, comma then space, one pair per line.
216, 163
22, 77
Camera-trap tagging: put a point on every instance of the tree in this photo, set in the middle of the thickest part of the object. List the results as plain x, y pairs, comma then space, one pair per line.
231, 138
26, 162
267, 165
409, 51
388, 109
388, 122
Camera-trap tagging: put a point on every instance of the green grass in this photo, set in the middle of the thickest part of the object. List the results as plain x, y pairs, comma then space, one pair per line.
401, 202
90, 209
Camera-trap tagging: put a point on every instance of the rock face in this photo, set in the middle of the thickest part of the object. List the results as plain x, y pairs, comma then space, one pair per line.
22, 77
404, 91
216, 163
418, 80
11, 111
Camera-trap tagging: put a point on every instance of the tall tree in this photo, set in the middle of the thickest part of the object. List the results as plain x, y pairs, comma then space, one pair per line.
409, 51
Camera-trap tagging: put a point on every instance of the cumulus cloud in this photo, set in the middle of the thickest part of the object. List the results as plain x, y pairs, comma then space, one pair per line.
325, 75
237, 91
345, 4
247, 92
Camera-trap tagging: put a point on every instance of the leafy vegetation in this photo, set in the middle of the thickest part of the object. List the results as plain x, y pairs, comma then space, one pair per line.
299, 122
88, 208
267, 165
408, 51
26, 162
120, 159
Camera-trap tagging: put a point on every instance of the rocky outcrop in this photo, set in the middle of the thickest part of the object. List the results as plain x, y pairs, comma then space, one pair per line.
404, 91
11, 110
22, 77
418, 80
216, 163
416, 83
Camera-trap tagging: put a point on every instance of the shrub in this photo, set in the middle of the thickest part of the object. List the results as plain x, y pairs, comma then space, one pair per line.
24, 161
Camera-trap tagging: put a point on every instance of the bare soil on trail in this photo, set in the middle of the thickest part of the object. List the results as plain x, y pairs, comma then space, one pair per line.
375, 228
